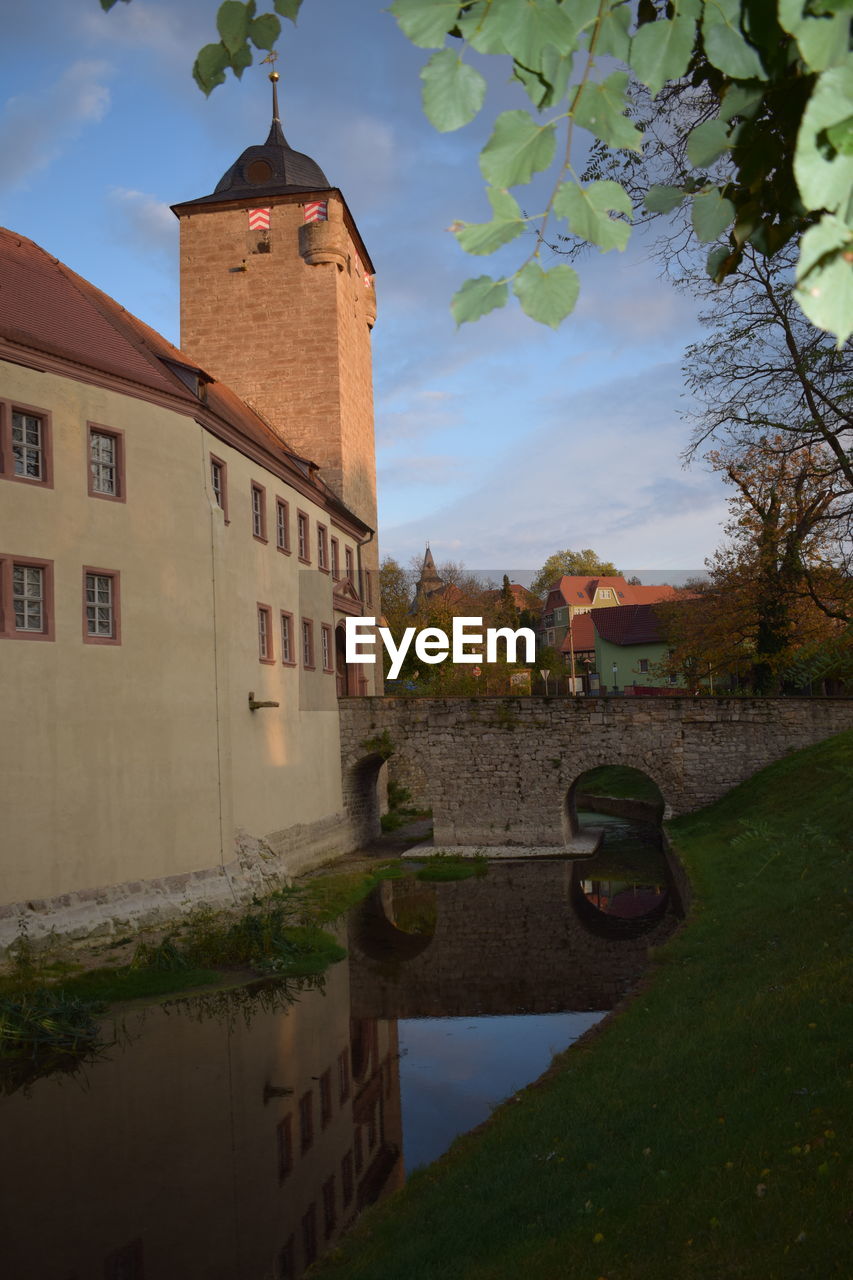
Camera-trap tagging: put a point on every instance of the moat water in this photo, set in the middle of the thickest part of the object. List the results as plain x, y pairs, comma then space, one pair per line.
235, 1137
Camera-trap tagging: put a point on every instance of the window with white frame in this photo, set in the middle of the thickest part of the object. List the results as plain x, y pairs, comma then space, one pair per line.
322, 547
336, 559
307, 643
104, 463
282, 525
26, 598
100, 606
265, 653
217, 482
287, 637
259, 516
29, 597
348, 561
326, 635
28, 445
26, 453
302, 536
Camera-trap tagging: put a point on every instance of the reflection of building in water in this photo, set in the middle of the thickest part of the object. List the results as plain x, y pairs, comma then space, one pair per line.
211, 1147
624, 898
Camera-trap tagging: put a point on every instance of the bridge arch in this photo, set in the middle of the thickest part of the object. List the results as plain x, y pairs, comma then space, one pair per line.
638, 794
496, 771
360, 784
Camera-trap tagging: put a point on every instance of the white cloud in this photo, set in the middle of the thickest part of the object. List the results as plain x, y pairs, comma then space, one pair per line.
173, 33
602, 471
365, 142
36, 128
146, 221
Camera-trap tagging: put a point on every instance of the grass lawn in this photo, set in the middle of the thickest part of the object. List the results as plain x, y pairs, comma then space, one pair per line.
702, 1133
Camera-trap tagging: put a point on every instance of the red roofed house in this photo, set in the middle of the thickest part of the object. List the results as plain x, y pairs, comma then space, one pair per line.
630, 645
182, 533
575, 595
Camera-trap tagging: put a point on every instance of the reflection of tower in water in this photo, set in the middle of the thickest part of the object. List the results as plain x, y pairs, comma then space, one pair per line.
223, 1141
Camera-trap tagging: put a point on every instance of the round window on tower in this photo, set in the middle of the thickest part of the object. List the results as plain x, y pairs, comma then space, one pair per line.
258, 171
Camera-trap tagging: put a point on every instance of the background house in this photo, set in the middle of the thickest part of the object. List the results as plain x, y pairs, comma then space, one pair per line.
629, 648
575, 595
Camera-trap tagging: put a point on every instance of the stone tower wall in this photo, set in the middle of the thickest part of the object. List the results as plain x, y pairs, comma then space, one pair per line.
283, 317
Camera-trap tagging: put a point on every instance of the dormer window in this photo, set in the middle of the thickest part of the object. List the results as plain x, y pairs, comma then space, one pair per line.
258, 172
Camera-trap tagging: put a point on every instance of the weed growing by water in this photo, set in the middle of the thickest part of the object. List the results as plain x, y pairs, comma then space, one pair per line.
44, 1031
450, 866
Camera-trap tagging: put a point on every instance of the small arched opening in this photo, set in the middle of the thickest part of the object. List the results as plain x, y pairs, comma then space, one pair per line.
618, 790
361, 798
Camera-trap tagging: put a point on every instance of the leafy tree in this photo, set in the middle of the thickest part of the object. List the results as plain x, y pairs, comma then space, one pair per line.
506, 613
395, 591
756, 611
778, 79
583, 563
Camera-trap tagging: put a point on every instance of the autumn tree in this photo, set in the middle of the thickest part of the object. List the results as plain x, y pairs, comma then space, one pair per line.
583, 563
396, 590
755, 612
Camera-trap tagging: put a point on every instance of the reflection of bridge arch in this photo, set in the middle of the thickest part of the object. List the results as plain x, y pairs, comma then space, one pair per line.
378, 926
510, 940
606, 924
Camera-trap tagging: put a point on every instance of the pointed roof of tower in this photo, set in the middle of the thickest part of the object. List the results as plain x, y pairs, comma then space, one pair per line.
269, 170
429, 579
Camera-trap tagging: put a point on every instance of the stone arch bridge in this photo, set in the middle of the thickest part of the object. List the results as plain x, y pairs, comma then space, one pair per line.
501, 771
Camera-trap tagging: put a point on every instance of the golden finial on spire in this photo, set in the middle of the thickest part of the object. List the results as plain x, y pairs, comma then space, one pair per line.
274, 77
273, 58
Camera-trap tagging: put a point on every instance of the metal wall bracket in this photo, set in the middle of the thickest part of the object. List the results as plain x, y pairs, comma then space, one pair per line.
253, 705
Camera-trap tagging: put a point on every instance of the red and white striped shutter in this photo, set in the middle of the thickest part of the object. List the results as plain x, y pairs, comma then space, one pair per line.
259, 219
315, 211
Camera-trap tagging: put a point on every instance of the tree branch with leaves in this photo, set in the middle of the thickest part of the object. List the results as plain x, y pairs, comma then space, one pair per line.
776, 80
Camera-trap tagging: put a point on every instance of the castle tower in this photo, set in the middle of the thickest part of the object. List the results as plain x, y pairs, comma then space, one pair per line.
277, 301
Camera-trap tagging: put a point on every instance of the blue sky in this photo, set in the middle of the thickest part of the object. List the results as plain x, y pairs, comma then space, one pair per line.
499, 442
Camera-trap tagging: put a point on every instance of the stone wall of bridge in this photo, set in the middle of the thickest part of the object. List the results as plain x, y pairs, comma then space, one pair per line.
500, 771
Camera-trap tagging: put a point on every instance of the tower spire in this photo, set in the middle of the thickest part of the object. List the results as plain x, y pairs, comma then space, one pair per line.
276, 134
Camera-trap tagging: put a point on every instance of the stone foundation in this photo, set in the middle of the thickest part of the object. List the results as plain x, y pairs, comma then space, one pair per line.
258, 867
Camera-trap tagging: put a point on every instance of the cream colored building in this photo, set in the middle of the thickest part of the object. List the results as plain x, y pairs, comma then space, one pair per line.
168, 562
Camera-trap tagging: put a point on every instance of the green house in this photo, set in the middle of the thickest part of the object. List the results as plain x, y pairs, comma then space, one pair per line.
630, 648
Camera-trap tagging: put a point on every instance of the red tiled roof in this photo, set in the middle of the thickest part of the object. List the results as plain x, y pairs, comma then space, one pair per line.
583, 632
579, 590
49, 309
653, 595
628, 624
45, 306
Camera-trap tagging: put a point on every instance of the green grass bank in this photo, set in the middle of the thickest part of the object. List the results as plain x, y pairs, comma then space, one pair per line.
702, 1131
